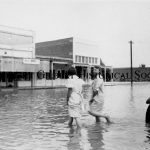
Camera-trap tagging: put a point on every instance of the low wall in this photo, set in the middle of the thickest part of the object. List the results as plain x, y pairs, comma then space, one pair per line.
124, 74
24, 83
46, 83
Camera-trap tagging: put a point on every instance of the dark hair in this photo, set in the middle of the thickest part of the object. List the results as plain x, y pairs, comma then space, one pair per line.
95, 70
72, 71
94, 73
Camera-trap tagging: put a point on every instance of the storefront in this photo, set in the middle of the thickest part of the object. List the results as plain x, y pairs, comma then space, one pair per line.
18, 72
63, 53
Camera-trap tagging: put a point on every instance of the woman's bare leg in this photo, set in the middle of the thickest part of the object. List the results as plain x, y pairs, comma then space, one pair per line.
70, 121
97, 116
78, 122
94, 115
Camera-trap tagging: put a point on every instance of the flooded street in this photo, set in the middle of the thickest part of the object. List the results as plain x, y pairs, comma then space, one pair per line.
37, 120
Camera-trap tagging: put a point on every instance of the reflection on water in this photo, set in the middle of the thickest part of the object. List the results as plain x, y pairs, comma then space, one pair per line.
37, 120
78, 139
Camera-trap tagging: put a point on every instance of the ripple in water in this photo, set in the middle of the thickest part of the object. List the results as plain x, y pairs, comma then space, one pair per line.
37, 120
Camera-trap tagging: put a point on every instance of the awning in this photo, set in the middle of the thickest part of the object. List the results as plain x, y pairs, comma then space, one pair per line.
82, 65
86, 65
19, 65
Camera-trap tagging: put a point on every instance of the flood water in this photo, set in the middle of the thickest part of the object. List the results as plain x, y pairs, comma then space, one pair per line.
37, 120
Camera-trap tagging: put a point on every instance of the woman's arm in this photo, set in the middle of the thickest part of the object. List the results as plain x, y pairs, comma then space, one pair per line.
69, 94
95, 92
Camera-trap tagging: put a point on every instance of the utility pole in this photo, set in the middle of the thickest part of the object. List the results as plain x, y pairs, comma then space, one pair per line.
131, 69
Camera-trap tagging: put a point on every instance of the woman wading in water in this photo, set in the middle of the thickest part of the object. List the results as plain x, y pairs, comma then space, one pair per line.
97, 100
74, 96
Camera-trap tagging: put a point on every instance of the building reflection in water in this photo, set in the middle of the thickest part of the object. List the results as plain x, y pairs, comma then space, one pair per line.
86, 138
95, 134
78, 139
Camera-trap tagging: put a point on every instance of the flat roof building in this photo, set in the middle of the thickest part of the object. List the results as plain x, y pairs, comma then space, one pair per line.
18, 64
70, 51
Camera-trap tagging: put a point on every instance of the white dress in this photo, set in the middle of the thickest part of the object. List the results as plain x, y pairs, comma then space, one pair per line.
98, 85
75, 100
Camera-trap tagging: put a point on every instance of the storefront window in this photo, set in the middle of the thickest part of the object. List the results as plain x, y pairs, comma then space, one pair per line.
63, 74
59, 74
48, 75
54, 75
2, 77
24, 76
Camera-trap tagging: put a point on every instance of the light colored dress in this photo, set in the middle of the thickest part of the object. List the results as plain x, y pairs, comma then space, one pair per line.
75, 100
98, 85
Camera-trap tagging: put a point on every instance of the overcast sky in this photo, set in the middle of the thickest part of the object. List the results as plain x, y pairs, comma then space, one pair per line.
110, 23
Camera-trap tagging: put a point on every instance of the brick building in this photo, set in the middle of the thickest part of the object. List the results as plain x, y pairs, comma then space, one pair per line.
63, 53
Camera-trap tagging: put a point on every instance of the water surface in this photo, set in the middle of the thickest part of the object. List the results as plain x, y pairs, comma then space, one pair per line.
37, 120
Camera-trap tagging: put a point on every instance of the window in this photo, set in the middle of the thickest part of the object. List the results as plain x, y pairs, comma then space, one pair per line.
48, 76
23, 76
76, 59
2, 76
54, 75
63, 74
95, 60
92, 60
89, 59
79, 58
82, 59
59, 74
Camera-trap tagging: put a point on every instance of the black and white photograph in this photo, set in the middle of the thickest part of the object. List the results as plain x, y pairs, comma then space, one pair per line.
74, 74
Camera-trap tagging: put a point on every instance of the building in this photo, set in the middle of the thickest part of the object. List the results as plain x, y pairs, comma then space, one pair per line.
58, 54
140, 74
24, 63
85, 57
63, 53
18, 65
